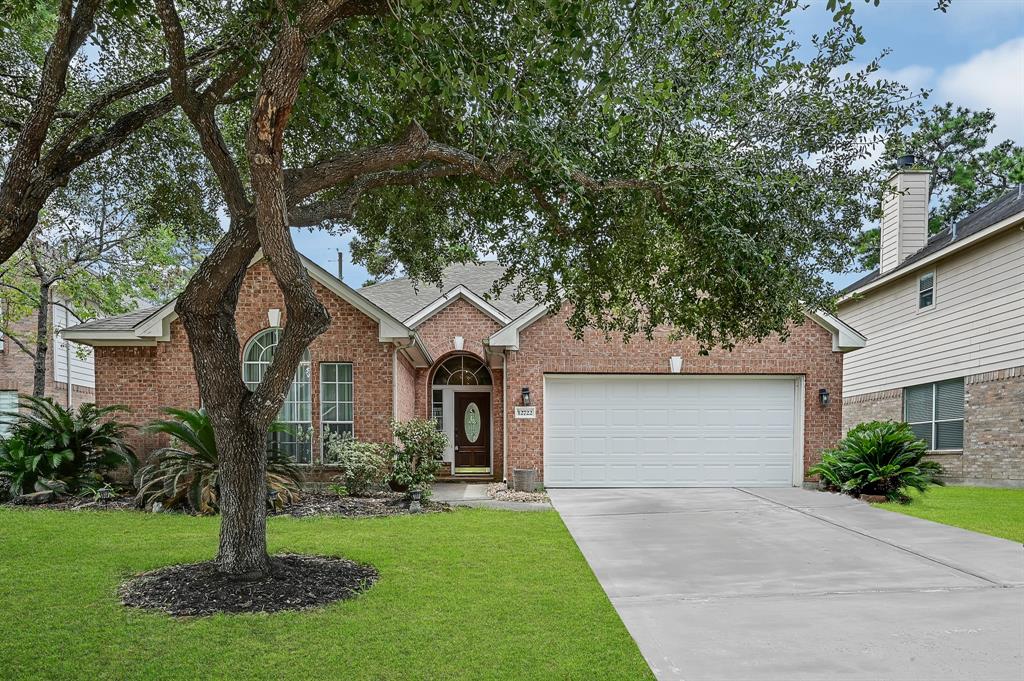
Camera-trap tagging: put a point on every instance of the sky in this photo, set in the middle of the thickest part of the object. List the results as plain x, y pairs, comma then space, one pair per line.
972, 55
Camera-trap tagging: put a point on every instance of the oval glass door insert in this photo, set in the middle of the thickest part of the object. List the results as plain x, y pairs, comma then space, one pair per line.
472, 422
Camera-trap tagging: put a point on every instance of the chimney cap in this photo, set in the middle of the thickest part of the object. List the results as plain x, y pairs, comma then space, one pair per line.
906, 161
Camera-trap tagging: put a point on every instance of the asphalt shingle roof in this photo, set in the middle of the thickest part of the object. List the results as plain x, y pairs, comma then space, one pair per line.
401, 299
1005, 206
398, 297
122, 322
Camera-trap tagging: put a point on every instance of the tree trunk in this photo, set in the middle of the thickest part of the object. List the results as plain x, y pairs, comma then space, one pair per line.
241, 446
42, 341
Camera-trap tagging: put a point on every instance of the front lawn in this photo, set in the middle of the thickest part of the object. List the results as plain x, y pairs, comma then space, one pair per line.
473, 594
999, 512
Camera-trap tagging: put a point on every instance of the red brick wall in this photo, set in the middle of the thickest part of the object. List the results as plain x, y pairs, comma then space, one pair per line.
16, 370
548, 347
458, 319
406, 403
150, 378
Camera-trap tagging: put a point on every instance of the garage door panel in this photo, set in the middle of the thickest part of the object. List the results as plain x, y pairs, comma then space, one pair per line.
669, 431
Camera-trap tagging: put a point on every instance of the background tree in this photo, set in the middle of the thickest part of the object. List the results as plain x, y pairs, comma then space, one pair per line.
79, 78
967, 171
123, 233
658, 163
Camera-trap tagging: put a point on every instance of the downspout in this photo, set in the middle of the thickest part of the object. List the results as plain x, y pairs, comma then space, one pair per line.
504, 416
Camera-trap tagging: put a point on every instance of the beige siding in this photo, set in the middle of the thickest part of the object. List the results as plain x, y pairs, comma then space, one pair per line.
975, 325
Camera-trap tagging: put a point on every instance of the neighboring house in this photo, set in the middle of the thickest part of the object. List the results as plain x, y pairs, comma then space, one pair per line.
508, 383
17, 366
945, 321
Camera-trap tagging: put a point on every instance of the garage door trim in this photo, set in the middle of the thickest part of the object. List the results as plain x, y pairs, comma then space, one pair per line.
798, 403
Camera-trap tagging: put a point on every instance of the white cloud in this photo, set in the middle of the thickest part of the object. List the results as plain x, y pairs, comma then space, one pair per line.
992, 79
914, 76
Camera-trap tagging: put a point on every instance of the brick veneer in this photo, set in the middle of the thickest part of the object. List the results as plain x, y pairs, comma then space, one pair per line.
151, 378
548, 347
17, 370
993, 452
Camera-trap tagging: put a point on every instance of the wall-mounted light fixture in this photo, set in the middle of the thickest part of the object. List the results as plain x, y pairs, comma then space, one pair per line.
675, 363
526, 397
459, 342
823, 397
274, 317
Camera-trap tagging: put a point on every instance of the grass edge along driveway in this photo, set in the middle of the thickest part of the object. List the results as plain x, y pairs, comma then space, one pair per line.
989, 510
473, 594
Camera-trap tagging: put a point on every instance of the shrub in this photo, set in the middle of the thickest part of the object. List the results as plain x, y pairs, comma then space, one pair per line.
187, 472
51, 447
364, 465
417, 456
879, 457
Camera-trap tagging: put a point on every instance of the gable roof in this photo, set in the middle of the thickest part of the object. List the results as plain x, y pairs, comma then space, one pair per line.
413, 303
150, 325
1000, 213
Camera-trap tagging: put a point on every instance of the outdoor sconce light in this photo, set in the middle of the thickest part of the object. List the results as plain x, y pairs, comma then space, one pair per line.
274, 317
823, 397
459, 342
675, 363
526, 397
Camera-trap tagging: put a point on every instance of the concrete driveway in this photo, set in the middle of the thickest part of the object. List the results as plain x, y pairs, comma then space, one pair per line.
790, 584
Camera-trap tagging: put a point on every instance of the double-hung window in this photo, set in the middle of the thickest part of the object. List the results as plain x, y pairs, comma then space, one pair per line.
336, 400
935, 412
926, 291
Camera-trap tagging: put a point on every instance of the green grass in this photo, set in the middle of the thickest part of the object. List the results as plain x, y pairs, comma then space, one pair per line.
999, 512
474, 594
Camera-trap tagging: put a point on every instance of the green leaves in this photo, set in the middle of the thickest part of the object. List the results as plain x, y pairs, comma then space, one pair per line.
878, 457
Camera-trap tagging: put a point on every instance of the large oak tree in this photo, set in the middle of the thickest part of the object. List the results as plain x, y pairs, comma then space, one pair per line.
651, 163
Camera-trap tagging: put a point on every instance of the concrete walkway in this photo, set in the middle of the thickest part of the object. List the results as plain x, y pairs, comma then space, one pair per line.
474, 494
791, 584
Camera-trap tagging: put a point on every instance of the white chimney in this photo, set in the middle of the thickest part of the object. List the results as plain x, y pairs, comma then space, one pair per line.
904, 214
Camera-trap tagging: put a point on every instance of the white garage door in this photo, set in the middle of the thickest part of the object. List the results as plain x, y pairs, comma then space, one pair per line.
669, 431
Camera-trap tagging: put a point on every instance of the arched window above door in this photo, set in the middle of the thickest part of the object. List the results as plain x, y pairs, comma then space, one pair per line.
462, 370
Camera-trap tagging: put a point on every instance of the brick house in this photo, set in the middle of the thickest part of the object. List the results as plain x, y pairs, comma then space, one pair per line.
65, 359
946, 352
508, 384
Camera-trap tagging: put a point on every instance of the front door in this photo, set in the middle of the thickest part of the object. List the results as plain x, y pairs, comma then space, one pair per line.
472, 432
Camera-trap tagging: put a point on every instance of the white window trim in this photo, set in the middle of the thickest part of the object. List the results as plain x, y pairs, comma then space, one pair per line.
322, 421
934, 289
934, 420
306, 360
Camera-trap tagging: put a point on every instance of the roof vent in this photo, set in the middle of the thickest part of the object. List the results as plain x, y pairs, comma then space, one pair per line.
906, 161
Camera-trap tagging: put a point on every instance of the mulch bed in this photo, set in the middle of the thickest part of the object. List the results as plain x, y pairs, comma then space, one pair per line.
69, 503
296, 582
326, 503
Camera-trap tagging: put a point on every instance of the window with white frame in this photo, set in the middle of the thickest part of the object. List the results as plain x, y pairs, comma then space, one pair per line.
8, 404
295, 419
337, 400
935, 412
926, 290
437, 408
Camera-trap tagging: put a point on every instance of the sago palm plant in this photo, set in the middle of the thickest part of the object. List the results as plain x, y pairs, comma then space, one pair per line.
879, 457
187, 472
51, 447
